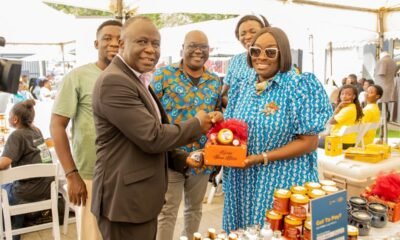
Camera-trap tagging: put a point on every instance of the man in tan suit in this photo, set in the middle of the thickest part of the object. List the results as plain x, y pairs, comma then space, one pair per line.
133, 138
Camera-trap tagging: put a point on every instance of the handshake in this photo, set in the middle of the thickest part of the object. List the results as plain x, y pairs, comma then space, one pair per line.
208, 119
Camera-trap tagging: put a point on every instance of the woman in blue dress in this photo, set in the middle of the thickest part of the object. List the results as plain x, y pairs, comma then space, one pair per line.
285, 112
245, 30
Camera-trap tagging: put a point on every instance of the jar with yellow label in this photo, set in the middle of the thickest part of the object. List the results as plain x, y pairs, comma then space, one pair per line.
281, 201
307, 230
316, 193
292, 228
298, 190
352, 232
330, 189
299, 206
312, 185
327, 183
275, 220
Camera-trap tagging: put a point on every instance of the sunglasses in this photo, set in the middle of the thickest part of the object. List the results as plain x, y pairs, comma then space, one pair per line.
271, 53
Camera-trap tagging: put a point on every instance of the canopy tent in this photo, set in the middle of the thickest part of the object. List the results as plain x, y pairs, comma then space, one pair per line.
32, 27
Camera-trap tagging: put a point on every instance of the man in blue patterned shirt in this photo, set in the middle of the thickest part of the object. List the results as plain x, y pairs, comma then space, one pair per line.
184, 89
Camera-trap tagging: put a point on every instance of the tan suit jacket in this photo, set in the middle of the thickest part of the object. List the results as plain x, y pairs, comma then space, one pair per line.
130, 177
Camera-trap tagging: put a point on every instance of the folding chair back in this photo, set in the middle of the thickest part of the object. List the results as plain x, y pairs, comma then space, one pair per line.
26, 172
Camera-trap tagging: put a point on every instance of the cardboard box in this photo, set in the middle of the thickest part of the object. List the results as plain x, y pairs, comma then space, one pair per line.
225, 155
333, 145
364, 155
386, 149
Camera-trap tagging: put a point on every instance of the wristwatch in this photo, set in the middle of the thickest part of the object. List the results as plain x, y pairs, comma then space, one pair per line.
265, 158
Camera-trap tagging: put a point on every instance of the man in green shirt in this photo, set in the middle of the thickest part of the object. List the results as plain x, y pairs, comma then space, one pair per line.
74, 102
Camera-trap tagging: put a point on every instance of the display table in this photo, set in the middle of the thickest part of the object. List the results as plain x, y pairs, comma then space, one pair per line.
382, 233
352, 175
355, 176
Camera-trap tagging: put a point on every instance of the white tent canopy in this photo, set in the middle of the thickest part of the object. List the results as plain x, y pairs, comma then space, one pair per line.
34, 22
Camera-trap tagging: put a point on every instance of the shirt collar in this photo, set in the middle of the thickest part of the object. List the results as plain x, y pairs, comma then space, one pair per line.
144, 80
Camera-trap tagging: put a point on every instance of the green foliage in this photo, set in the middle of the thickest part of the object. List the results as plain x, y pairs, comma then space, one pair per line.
78, 11
161, 20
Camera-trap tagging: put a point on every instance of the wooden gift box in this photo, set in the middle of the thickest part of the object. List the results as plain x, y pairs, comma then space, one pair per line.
225, 155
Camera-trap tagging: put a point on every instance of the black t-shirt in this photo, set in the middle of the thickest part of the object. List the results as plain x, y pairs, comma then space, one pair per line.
195, 80
26, 146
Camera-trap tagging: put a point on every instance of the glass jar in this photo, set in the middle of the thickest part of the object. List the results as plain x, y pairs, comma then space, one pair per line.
330, 189
316, 193
281, 201
232, 236
3, 123
275, 220
299, 206
197, 236
292, 229
358, 203
362, 220
298, 190
327, 183
212, 233
307, 230
312, 185
379, 214
352, 232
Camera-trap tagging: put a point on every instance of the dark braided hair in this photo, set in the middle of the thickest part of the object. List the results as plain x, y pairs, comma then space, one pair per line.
355, 101
25, 112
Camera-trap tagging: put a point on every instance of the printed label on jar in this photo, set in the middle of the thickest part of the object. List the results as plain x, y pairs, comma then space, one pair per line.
281, 205
293, 233
299, 211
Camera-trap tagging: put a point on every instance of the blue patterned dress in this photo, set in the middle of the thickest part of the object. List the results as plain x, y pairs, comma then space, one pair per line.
238, 70
302, 109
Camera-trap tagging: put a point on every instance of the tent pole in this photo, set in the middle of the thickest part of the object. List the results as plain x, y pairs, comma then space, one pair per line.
381, 30
63, 56
331, 58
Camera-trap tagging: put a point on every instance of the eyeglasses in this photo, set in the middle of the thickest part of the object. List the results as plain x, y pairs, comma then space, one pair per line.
193, 47
271, 53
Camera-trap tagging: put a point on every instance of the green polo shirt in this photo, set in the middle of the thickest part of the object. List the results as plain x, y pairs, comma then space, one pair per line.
74, 101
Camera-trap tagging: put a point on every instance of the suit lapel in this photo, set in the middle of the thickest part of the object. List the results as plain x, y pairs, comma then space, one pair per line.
143, 91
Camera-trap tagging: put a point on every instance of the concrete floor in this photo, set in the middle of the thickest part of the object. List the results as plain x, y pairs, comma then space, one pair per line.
212, 217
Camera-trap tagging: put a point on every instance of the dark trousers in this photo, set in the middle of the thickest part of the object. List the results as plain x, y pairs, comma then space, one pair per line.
121, 230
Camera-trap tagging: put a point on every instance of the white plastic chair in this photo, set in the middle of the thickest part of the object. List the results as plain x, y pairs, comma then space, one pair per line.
25, 172
63, 190
213, 190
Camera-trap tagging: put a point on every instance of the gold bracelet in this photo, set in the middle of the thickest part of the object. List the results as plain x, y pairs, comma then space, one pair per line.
265, 157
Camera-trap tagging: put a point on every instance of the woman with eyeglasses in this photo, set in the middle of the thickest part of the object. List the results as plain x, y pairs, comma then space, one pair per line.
285, 112
245, 30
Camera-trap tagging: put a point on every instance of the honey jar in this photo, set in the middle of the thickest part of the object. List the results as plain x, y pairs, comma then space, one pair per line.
232, 236
275, 220
298, 190
197, 236
352, 232
330, 189
312, 185
307, 230
281, 201
212, 233
299, 206
327, 183
316, 193
292, 228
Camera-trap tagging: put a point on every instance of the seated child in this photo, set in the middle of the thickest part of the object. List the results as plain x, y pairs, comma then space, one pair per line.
25, 146
371, 111
347, 113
